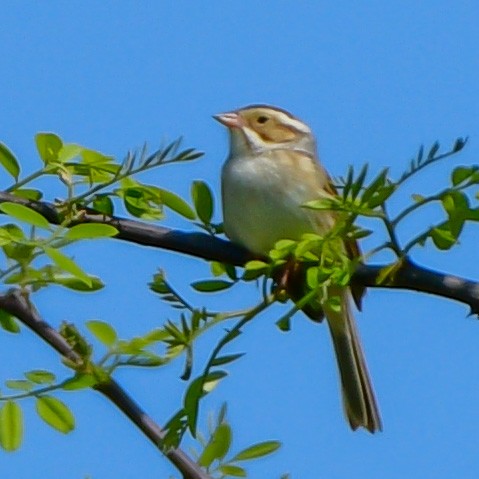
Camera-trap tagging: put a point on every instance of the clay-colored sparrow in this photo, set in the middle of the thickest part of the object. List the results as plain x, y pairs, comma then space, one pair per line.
272, 169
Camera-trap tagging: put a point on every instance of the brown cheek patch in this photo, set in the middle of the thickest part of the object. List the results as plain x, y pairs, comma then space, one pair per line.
277, 134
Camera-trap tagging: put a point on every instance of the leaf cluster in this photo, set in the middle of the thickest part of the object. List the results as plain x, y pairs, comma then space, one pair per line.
217, 446
359, 198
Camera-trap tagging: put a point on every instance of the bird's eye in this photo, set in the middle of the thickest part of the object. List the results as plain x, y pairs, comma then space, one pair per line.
262, 119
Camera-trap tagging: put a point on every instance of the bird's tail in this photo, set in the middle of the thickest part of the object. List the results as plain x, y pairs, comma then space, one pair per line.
358, 395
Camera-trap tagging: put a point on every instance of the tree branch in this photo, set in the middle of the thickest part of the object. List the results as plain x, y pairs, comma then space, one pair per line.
409, 276
200, 245
15, 303
416, 278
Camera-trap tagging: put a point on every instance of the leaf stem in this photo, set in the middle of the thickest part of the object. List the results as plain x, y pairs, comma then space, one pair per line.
26, 180
35, 393
390, 228
237, 329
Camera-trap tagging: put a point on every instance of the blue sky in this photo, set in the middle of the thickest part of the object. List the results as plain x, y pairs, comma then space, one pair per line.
374, 81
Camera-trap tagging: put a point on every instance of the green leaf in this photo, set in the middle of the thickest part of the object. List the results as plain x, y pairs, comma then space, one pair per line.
133, 346
23, 213
232, 470
386, 274
91, 231
442, 237
212, 380
256, 265
40, 376
92, 173
103, 204
327, 204
103, 332
473, 214
5, 237
8, 161
418, 198
432, 152
177, 204
159, 284
375, 185
230, 336
175, 332
456, 205
142, 202
203, 201
11, 426
211, 285
93, 157
28, 194
358, 183
217, 447
94, 166
459, 144
55, 413
381, 196
19, 384
286, 245
348, 182
231, 272
188, 155
196, 390
190, 403
333, 303
226, 359
312, 277
75, 284
79, 381
15, 232
147, 361
8, 322
68, 152
76, 341
222, 414
155, 335
454, 202
23, 253
48, 146
420, 155
254, 269
68, 265
461, 174
284, 323
217, 268
258, 450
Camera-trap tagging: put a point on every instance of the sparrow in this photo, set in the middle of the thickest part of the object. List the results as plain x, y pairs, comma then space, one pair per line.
271, 171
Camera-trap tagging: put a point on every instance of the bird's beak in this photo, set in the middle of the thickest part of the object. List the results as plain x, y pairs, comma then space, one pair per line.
230, 119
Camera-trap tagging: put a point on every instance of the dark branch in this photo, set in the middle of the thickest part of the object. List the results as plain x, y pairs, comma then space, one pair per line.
15, 303
200, 245
409, 276
416, 278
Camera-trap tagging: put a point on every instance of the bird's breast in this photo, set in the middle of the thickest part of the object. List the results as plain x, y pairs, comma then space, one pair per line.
262, 198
